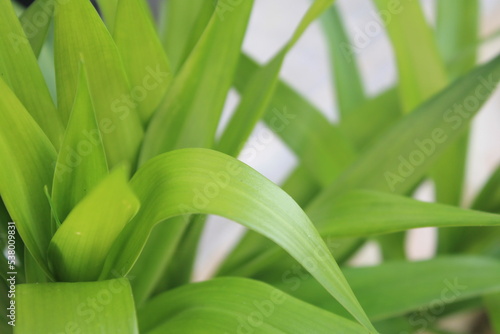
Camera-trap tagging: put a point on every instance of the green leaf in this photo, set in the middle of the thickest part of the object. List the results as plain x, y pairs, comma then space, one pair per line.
321, 147
81, 163
488, 198
19, 69
492, 303
364, 125
93, 307
79, 248
158, 252
108, 9
258, 93
364, 213
348, 84
183, 22
36, 20
421, 70
397, 288
143, 57
399, 159
27, 167
457, 34
189, 115
385, 165
119, 122
199, 181
230, 305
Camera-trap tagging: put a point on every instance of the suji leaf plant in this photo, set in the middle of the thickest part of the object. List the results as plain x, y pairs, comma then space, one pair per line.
111, 162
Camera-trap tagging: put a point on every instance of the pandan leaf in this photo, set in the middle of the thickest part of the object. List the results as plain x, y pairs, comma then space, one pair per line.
182, 24
118, 121
261, 87
363, 213
27, 167
201, 181
88, 307
189, 115
143, 57
397, 288
80, 246
81, 163
20, 71
227, 305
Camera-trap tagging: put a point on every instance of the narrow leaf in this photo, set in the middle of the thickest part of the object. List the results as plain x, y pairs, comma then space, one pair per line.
19, 69
118, 121
143, 57
79, 248
231, 305
27, 167
194, 181
81, 163
93, 307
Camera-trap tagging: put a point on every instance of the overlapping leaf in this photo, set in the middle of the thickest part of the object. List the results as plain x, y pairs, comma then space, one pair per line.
89, 307
118, 121
237, 305
202, 181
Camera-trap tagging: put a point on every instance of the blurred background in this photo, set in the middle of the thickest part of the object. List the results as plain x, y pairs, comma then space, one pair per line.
307, 69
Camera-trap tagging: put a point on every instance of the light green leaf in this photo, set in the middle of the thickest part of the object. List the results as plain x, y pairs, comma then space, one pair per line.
86, 307
79, 248
183, 22
158, 252
108, 9
397, 288
457, 34
364, 213
364, 125
230, 305
199, 181
321, 147
399, 159
189, 115
27, 167
36, 20
348, 85
19, 69
384, 166
258, 93
421, 70
488, 198
118, 121
492, 303
143, 57
81, 163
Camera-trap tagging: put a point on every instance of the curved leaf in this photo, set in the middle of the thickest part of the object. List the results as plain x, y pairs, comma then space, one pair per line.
118, 121
81, 163
19, 69
364, 213
190, 112
397, 288
261, 87
85, 307
202, 181
143, 57
230, 305
27, 167
79, 247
